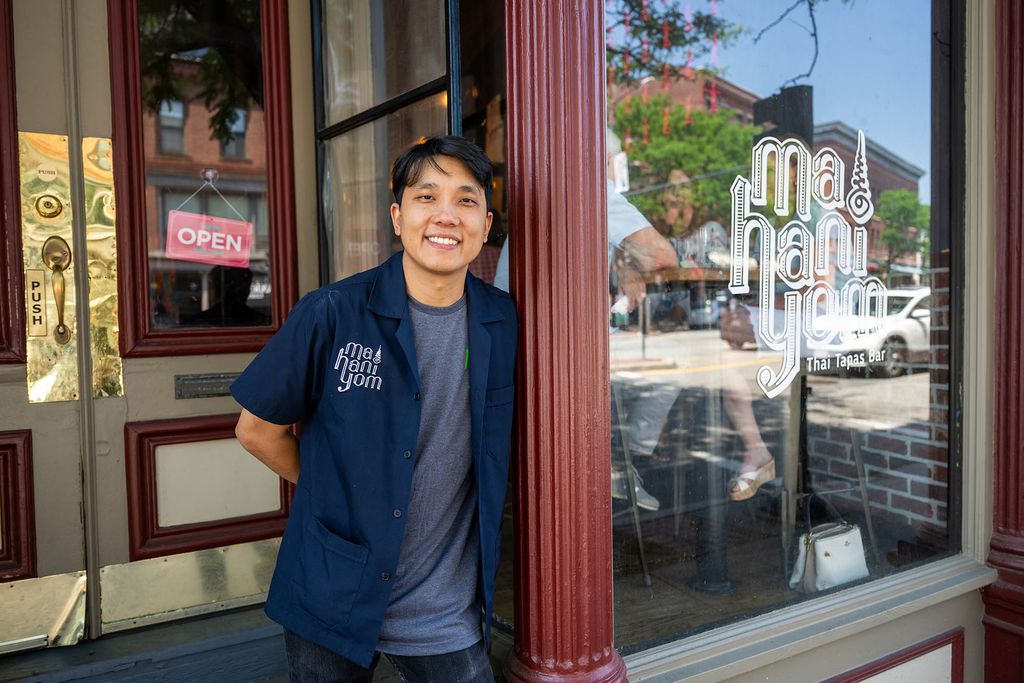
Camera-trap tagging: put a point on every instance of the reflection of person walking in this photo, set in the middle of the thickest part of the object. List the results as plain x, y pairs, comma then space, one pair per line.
402, 377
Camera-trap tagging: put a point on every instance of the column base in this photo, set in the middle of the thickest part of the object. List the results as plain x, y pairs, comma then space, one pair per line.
520, 669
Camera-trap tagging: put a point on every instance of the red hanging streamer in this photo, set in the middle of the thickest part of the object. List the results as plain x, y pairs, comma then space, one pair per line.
664, 121
647, 130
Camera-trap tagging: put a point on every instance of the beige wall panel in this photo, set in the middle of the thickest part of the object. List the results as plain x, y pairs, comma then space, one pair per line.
206, 481
112, 510
56, 471
93, 68
935, 667
878, 642
149, 385
39, 66
304, 144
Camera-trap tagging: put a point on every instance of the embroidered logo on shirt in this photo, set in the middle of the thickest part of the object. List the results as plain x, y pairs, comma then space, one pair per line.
358, 366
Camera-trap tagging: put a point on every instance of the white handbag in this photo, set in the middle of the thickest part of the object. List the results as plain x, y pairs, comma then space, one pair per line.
830, 554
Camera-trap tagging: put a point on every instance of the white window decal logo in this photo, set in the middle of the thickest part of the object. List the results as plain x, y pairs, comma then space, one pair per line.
358, 366
797, 263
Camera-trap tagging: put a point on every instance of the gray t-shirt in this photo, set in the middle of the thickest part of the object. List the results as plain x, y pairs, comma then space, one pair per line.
433, 607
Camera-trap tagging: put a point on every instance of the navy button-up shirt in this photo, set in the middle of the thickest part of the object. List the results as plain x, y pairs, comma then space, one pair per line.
344, 364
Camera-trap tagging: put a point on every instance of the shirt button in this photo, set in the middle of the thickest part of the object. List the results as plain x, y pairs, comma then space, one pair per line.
384, 576
416, 396
397, 513
407, 455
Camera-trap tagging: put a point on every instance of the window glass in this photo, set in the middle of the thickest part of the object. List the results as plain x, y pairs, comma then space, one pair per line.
375, 50
233, 144
774, 267
209, 257
357, 174
172, 127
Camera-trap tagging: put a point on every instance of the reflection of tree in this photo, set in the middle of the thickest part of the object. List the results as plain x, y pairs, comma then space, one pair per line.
710, 148
221, 37
906, 225
660, 38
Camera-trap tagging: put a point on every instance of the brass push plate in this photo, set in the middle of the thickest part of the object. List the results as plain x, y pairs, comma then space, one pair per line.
46, 215
100, 236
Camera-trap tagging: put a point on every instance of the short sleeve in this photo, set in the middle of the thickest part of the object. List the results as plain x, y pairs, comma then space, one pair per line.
623, 219
283, 382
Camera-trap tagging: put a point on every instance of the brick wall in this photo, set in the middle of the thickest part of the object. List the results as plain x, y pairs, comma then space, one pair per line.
907, 466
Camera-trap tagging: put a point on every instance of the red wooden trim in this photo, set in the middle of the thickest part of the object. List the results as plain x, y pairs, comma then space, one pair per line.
559, 278
12, 320
1004, 600
147, 539
954, 638
137, 339
18, 556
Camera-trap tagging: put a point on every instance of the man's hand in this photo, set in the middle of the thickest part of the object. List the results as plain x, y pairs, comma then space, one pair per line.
631, 283
274, 445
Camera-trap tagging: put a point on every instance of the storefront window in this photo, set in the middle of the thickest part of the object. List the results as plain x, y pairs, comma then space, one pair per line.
357, 177
206, 198
380, 92
374, 51
779, 303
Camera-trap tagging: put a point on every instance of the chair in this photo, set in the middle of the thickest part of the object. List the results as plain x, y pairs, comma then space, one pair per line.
634, 510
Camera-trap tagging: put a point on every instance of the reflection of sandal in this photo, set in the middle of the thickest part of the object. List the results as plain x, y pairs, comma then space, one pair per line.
746, 484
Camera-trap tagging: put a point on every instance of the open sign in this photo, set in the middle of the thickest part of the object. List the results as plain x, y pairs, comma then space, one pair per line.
208, 239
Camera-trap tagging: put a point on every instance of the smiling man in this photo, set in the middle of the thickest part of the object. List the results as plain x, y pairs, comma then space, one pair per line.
402, 379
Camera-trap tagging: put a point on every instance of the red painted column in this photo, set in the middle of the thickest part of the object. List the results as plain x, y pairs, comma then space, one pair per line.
1004, 600
559, 277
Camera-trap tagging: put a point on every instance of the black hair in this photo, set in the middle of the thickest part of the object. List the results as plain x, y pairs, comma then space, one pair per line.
409, 165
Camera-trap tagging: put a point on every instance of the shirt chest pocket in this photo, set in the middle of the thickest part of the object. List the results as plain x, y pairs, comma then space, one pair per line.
498, 406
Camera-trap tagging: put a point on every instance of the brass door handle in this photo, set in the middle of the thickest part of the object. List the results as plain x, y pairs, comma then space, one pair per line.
57, 257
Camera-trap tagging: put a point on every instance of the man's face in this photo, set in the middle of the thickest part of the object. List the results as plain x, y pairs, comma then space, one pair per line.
443, 219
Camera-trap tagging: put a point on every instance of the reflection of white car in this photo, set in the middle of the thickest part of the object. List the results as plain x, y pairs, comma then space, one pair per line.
902, 338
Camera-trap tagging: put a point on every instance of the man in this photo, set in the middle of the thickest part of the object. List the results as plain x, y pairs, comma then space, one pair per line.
402, 378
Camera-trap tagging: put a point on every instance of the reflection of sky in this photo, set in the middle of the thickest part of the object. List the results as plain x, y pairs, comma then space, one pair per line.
873, 70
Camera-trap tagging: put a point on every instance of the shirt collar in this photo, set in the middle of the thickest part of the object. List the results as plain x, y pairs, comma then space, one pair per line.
388, 296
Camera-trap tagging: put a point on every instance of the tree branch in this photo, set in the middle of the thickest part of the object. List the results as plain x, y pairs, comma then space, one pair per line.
777, 21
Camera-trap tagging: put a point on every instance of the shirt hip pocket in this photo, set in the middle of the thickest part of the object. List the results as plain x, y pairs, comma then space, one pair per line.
330, 570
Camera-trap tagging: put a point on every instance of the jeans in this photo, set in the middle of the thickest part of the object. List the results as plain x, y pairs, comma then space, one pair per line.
312, 663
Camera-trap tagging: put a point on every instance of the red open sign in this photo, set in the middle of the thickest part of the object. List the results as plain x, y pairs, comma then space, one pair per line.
208, 239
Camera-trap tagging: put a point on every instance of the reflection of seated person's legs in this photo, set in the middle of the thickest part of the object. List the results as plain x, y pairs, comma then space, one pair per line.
646, 406
757, 466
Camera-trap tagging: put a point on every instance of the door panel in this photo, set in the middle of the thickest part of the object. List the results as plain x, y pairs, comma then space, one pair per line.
77, 505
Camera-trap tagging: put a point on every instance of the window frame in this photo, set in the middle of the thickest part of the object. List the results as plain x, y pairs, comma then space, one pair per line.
238, 139
160, 130
760, 640
12, 319
138, 338
449, 83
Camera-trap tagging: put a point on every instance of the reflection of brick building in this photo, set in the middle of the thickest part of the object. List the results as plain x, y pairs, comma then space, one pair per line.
179, 143
886, 171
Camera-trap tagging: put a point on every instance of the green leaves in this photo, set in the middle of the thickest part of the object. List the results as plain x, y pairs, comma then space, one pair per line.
680, 177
